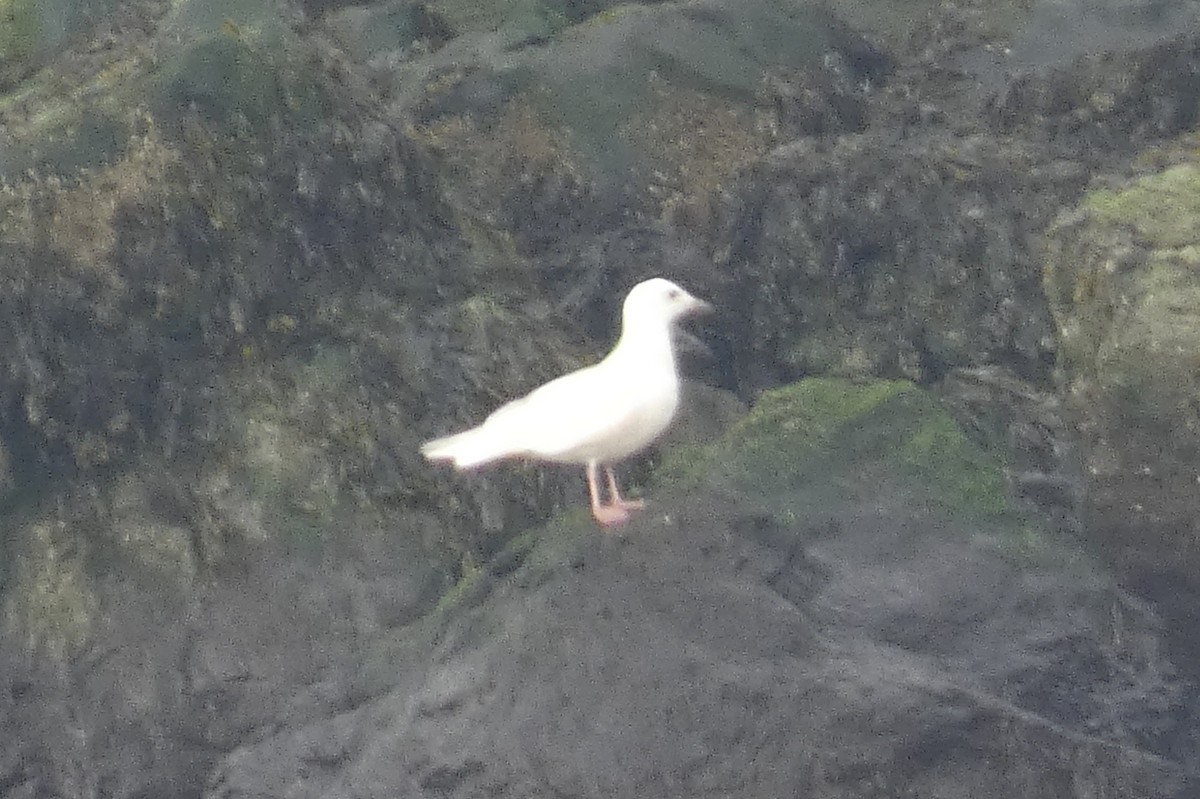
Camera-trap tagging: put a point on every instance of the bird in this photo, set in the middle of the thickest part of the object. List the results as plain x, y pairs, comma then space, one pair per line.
595, 416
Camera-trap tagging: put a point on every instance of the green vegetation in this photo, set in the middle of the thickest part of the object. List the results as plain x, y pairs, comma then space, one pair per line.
852, 442
1162, 208
1127, 314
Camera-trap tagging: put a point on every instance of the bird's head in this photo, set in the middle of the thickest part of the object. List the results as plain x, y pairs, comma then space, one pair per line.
660, 300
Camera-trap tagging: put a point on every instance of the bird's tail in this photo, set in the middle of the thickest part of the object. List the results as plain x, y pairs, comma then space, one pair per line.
466, 450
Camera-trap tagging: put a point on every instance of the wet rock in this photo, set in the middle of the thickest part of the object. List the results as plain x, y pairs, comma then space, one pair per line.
32, 30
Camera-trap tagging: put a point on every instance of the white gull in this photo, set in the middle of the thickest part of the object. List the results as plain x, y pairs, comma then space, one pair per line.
595, 416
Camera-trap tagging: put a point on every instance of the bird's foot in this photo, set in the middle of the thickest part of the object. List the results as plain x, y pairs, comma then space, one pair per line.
611, 515
630, 504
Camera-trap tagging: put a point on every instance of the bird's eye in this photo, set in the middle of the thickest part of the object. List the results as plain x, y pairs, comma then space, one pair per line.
673, 294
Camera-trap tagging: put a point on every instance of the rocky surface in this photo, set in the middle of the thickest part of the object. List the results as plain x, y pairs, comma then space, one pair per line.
1120, 279
859, 258
251, 254
774, 625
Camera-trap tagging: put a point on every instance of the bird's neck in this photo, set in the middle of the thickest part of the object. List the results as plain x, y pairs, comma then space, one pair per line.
647, 343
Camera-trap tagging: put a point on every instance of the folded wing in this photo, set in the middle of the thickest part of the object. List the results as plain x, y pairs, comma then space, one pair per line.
579, 417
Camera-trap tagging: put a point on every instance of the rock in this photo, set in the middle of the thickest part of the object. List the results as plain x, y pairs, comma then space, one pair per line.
32, 30
1121, 278
835, 598
636, 112
384, 31
1108, 101
242, 246
889, 257
1031, 425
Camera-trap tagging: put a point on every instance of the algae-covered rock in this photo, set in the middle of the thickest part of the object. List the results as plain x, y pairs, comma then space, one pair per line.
1123, 279
889, 258
50, 602
239, 82
253, 253
799, 442
203, 238
518, 20
651, 107
1114, 99
231, 66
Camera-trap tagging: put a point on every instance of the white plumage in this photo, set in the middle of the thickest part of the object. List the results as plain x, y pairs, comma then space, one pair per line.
595, 416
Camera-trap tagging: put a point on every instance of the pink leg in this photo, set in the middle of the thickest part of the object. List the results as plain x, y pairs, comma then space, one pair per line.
614, 496
606, 515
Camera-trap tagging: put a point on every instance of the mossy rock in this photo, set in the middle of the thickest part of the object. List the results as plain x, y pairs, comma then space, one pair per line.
836, 443
53, 601
1162, 208
808, 455
668, 89
1122, 275
365, 32
602, 76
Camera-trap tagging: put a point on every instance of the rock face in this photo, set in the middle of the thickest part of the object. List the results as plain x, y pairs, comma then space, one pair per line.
861, 259
1121, 279
773, 626
251, 254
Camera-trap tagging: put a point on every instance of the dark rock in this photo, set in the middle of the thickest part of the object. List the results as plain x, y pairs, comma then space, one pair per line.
637, 112
879, 256
1108, 102
251, 257
1030, 424
813, 631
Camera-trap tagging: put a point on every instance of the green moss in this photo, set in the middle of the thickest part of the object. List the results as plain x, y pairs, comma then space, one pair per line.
1162, 208
1127, 315
685, 465
468, 588
797, 429
838, 441
966, 477
812, 411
